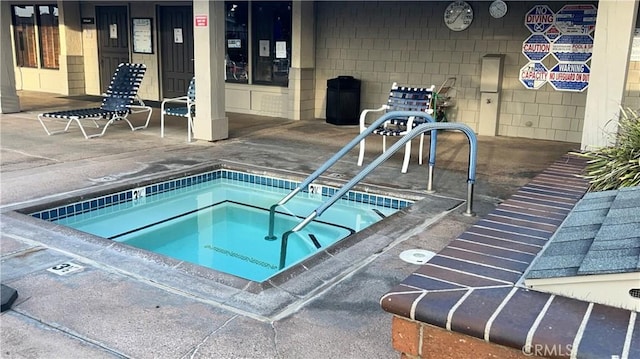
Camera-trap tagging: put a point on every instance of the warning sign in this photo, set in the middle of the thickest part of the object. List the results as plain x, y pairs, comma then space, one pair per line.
569, 77
539, 19
577, 19
536, 47
533, 75
573, 48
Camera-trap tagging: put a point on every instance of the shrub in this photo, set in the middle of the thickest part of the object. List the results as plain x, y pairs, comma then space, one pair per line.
618, 165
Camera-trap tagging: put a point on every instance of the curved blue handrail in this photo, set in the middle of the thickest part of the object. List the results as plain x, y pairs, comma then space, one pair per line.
419, 116
420, 129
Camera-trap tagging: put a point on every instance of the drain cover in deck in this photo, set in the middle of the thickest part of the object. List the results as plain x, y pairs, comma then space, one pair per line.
416, 256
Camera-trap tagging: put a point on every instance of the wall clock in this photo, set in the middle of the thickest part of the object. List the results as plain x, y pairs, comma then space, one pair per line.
458, 15
498, 9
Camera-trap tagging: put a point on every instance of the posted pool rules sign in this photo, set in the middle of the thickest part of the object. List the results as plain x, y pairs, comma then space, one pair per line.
567, 35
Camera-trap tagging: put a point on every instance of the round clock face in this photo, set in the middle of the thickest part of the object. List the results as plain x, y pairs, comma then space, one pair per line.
498, 9
458, 15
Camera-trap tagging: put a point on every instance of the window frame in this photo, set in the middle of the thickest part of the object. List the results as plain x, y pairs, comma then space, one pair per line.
31, 51
49, 38
270, 65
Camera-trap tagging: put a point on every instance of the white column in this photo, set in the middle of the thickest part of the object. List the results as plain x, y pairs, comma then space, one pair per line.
9, 101
210, 123
609, 67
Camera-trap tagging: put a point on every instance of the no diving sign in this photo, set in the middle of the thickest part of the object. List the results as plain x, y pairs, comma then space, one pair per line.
539, 19
569, 77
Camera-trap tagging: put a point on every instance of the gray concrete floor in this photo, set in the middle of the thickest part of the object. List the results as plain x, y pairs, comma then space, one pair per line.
127, 304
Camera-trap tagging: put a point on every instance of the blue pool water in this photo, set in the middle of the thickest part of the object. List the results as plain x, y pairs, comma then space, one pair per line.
220, 219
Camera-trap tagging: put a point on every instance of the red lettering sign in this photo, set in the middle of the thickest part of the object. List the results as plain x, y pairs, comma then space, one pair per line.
201, 21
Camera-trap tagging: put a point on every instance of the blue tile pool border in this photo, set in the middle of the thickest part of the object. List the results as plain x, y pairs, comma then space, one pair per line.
130, 195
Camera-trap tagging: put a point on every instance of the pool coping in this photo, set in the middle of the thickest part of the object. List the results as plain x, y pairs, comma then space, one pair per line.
263, 301
474, 286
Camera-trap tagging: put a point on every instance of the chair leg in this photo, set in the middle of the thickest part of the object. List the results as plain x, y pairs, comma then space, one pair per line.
361, 155
66, 127
189, 126
140, 109
81, 128
45, 126
407, 156
421, 148
162, 125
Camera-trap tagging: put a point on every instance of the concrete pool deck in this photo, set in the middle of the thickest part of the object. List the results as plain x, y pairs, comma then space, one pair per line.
127, 305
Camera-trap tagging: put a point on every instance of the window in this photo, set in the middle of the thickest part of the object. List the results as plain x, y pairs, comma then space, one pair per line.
25, 36
270, 42
48, 37
236, 41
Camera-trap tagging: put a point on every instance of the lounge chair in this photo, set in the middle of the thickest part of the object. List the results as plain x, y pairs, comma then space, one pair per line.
400, 99
186, 110
117, 103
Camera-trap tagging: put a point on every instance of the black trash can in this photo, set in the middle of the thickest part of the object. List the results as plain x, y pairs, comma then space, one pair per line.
343, 100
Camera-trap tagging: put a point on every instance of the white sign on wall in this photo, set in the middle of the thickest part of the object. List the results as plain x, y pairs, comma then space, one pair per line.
577, 19
539, 19
536, 47
567, 34
533, 75
570, 76
575, 48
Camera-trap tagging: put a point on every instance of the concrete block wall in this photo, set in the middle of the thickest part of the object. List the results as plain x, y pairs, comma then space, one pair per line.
75, 75
632, 90
385, 42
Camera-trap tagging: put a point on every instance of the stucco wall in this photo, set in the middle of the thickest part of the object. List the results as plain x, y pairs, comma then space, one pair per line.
385, 42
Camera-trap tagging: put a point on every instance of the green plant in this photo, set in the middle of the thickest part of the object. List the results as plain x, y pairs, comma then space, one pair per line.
618, 165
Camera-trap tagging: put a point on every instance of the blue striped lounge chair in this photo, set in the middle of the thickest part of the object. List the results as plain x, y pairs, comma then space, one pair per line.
400, 99
117, 104
186, 108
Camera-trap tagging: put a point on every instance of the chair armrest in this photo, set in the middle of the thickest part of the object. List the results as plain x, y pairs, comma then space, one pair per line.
181, 99
363, 115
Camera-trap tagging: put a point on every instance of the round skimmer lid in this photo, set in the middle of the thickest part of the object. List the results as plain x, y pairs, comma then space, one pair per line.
416, 256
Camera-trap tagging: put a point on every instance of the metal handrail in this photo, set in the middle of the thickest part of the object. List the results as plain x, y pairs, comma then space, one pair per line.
471, 175
330, 162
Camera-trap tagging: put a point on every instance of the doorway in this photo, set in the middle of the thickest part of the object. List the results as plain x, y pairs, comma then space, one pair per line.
176, 49
113, 41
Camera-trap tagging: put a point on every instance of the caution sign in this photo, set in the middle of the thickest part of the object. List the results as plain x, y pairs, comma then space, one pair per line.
569, 77
573, 48
536, 47
533, 75
539, 19
576, 19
